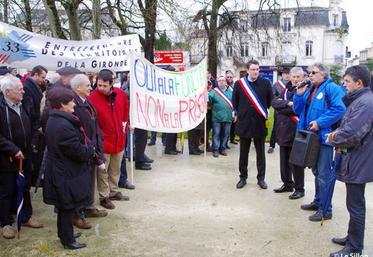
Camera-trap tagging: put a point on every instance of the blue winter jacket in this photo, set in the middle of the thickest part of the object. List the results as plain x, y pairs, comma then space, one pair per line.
325, 114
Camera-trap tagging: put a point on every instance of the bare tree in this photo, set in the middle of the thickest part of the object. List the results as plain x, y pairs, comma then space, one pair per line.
96, 18
28, 17
54, 19
149, 12
71, 8
6, 9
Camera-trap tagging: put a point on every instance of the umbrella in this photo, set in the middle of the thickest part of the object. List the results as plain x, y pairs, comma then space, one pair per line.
20, 181
41, 172
182, 138
328, 194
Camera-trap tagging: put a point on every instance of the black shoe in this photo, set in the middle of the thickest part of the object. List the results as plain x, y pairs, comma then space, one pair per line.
143, 166
127, 185
171, 152
346, 251
318, 216
147, 159
241, 183
151, 143
270, 150
234, 142
195, 152
296, 195
76, 235
199, 150
283, 189
228, 147
310, 207
74, 246
340, 241
262, 184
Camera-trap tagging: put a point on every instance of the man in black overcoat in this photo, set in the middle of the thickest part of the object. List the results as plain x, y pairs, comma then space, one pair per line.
251, 124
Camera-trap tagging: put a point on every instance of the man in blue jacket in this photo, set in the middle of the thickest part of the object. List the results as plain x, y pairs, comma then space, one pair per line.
319, 106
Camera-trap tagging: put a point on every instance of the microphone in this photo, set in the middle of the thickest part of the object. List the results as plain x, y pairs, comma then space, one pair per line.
303, 84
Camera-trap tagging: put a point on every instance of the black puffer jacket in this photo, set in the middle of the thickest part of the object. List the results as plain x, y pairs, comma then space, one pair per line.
286, 122
67, 181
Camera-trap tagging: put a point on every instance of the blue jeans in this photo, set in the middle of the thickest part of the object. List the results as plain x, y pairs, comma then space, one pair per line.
322, 172
218, 128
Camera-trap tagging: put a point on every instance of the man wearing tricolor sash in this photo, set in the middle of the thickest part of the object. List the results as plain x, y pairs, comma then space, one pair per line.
285, 133
278, 89
230, 82
220, 101
252, 96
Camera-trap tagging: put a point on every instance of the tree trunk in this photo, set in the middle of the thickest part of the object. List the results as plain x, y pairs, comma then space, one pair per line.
72, 15
121, 24
54, 19
96, 18
28, 15
212, 62
6, 8
150, 17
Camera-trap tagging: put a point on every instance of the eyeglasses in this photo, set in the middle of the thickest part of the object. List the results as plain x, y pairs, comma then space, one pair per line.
314, 72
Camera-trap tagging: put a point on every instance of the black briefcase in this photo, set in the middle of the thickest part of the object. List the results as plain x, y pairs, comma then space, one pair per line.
306, 147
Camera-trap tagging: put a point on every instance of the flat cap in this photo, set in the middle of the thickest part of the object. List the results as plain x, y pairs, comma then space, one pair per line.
4, 70
68, 71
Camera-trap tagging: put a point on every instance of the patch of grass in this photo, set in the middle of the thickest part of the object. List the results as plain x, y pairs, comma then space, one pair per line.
45, 249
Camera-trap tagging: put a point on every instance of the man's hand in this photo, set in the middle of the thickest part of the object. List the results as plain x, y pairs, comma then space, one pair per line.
101, 167
314, 126
234, 119
328, 138
300, 91
19, 155
290, 104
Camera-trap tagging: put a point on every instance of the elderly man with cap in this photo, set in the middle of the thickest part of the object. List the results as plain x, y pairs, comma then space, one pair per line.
66, 75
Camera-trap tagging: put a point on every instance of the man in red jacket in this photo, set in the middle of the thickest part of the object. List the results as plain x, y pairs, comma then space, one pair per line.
112, 112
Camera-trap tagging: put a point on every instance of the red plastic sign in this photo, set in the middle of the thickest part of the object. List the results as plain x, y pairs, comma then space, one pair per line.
168, 57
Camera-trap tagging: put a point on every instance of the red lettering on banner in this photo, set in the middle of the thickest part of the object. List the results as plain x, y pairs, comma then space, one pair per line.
183, 107
140, 109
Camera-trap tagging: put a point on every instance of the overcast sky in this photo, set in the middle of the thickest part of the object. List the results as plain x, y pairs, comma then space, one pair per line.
359, 16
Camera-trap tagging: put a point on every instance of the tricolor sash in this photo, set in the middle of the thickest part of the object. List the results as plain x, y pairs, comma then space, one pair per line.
294, 118
281, 84
254, 99
223, 96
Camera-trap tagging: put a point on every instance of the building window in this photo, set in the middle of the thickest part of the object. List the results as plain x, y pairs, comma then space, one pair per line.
229, 50
265, 46
243, 25
335, 20
309, 44
244, 50
287, 24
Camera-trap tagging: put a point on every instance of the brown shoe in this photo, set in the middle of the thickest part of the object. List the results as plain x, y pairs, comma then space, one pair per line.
119, 197
224, 153
106, 203
215, 154
8, 232
32, 224
95, 213
82, 223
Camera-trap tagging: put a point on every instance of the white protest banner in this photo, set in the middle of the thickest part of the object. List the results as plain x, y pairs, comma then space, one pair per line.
21, 48
166, 101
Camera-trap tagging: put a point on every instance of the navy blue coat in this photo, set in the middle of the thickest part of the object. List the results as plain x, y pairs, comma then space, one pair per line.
67, 180
356, 134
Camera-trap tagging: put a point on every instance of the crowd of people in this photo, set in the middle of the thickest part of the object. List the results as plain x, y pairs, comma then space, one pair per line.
70, 130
